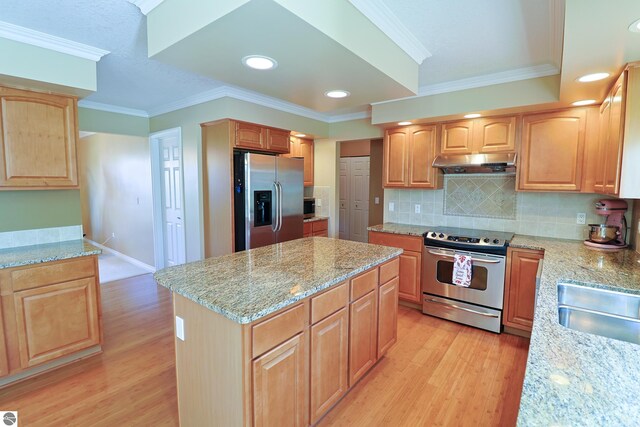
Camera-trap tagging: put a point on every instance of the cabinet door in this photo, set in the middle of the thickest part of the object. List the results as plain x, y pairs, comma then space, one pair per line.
4, 360
250, 136
363, 331
613, 155
494, 134
422, 150
279, 385
306, 152
552, 151
457, 137
294, 148
56, 320
521, 288
410, 268
329, 362
37, 140
277, 140
394, 158
603, 140
387, 315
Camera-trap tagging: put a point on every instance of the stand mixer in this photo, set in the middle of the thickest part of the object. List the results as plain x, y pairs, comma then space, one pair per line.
612, 234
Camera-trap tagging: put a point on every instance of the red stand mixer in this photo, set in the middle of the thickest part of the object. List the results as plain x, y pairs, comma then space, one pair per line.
612, 235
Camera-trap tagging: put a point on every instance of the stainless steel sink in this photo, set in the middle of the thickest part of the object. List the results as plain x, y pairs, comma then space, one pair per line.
600, 312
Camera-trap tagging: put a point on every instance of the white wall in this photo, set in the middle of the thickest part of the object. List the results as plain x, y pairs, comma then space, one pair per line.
115, 191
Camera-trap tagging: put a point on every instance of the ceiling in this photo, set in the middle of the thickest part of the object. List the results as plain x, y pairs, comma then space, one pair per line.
472, 44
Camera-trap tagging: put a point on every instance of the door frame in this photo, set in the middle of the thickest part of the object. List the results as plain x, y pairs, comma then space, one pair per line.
156, 186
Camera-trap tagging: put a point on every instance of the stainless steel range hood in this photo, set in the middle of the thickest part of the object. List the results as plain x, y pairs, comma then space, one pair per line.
476, 163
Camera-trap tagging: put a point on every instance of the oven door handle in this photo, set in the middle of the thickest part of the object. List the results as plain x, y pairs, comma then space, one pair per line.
486, 261
461, 308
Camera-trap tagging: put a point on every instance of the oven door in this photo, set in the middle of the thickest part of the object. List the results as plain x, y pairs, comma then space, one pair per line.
487, 278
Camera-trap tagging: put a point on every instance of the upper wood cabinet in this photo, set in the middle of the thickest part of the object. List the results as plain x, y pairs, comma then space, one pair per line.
37, 140
520, 288
303, 148
484, 135
408, 153
603, 139
612, 138
552, 151
260, 138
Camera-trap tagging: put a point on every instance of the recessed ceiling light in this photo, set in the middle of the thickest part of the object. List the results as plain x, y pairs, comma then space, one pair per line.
592, 77
404, 123
259, 62
584, 102
472, 116
338, 93
300, 135
635, 26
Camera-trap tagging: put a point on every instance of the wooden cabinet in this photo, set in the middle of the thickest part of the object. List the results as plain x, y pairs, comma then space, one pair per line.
388, 315
363, 328
611, 139
408, 153
329, 362
552, 151
279, 382
56, 320
37, 140
409, 288
319, 228
4, 360
603, 138
484, 135
255, 137
520, 288
303, 148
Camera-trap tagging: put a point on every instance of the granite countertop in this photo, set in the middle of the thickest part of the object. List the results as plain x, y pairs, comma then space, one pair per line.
36, 254
315, 218
248, 285
406, 229
575, 378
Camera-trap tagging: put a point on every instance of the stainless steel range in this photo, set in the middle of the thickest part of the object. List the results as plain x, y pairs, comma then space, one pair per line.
480, 304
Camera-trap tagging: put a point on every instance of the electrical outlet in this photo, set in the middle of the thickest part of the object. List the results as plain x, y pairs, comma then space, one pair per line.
113, 235
180, 328
581, 218
318, 202
417, 208
392, 206
376, 200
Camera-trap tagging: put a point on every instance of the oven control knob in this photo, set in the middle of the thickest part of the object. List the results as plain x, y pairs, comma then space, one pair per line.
485, 240
451, 238
496, 241
441, 235
433, 234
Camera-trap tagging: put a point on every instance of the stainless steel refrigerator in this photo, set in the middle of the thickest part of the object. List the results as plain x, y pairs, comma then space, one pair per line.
268, 199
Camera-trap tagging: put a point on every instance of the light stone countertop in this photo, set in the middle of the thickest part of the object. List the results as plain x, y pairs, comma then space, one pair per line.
315, 218
246, 286
575, 378
36, 254
405, 229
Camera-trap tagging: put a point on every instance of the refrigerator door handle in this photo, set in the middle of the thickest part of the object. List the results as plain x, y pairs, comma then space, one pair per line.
276, 222
279, 205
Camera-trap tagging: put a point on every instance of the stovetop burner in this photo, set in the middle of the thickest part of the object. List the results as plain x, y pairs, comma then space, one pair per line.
463, 238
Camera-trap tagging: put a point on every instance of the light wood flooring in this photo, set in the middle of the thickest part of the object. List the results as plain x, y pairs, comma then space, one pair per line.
439, 373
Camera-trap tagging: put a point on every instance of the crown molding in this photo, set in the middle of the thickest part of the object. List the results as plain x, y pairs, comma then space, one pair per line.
84, 134
112, 108
359, 115
382, 17
47, 41
145, 6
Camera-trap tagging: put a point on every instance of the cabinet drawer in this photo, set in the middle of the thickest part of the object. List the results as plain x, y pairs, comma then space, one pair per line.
307, 229
329, 302
408, 243
277, 329
52, 272
364, 283
320, 225
389, 270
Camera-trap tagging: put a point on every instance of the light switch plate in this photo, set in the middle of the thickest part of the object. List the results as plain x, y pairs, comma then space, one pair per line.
417, 208
318, 202
180, 328
581, 218
376, 200
392, 206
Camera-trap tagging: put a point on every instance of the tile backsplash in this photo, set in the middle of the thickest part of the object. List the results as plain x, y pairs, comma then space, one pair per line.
14, 239
323, 201
536, 214
487, 196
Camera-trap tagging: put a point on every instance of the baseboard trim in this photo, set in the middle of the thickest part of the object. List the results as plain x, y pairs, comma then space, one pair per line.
120, 255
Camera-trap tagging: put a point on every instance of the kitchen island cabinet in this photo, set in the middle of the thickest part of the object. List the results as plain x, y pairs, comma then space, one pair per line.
269, 336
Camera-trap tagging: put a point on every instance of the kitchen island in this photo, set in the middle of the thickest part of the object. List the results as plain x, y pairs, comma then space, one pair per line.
278, 335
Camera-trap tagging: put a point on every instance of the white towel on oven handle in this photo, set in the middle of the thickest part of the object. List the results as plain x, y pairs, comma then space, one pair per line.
462, 268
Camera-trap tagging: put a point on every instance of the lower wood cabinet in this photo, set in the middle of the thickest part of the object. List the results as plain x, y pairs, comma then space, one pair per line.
329, 362
388, 315
363, 331
318, 228
279, 382
520, 288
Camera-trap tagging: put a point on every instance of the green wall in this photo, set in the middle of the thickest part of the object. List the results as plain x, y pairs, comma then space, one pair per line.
90, 120
23, 210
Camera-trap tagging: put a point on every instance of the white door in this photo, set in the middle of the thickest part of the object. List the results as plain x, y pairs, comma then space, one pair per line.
359, 198
343, 229
172, 201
